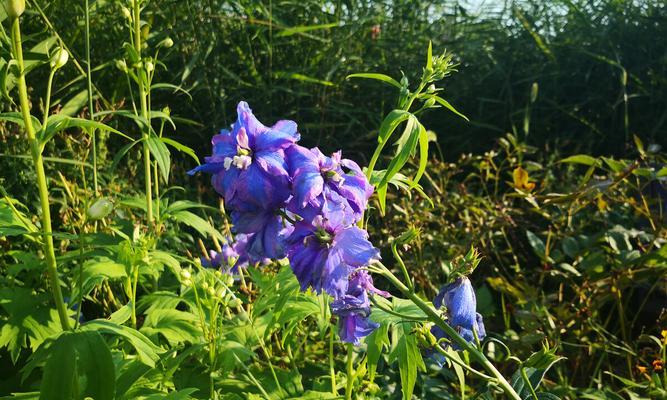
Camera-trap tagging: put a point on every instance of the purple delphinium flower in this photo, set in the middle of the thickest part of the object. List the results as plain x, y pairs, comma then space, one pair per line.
459, 299
354, 308
324, 252
234, 255
248, 163
318, 179
267, 231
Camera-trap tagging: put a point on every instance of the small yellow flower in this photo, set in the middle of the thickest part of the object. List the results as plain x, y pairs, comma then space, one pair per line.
521, 180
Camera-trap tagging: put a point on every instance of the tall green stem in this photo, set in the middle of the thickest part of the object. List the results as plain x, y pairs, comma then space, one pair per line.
451, 332
143, 99
90, 97
332, 366
36, 151
350, 371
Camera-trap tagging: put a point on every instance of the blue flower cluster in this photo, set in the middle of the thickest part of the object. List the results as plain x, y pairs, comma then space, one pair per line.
290, 201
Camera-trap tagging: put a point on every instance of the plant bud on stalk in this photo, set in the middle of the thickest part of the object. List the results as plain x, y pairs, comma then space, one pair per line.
121, 65
126, 12
59, 58
185, 274
100, 209
14, 8
166, 43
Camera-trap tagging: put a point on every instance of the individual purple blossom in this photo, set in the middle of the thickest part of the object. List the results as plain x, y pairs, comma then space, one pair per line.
266, 230
318, 179
232, 257
459, 299
353, 309
324, 252
248, 162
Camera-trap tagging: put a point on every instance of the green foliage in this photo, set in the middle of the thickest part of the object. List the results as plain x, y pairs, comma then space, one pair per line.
567, 210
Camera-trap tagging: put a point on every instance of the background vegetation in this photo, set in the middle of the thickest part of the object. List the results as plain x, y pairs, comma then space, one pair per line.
559, 179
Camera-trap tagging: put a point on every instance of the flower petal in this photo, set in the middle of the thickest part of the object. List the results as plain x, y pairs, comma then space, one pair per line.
355, 248
272, 162
282, 135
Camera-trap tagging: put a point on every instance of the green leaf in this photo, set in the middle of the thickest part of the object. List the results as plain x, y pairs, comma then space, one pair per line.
59, 371
305, 28
662, 173
535, 367
158, 86
380, 77
28, 318
14, 222
581, 159
376, 342
79, 365
445, 104
146, 350
122, 152
429, 56
176, 326
409, 357
121, 315
181, 147
303, 78
414, 128
75, 104
61, 122
97, 271
198, 223
390, 123
537, 244
423, 155
161, 154
17, 118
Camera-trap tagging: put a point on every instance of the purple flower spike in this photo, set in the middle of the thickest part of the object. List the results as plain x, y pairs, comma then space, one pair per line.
318, 179
325, 252
459, 299
248, 163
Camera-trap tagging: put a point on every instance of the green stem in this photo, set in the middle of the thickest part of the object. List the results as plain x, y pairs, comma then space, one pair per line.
401, 264
380, 146
463, 365
80, 281
332, 367
90, 96
144, 114
47, 105
451, 332
524, 376
36, 151
350, 371
134, 283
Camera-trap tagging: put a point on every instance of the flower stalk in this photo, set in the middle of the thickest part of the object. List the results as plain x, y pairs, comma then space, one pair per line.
451, 332
143, 99
36, 152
